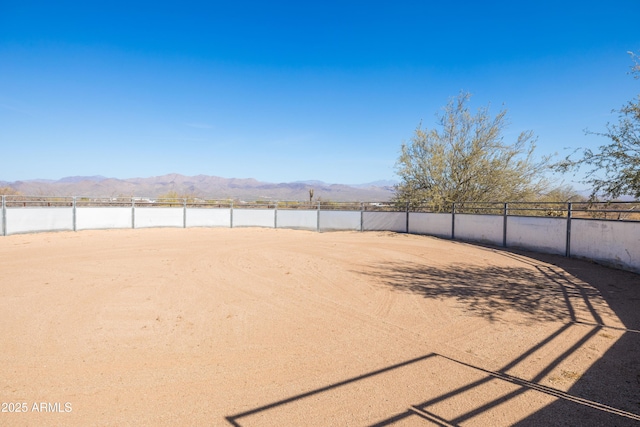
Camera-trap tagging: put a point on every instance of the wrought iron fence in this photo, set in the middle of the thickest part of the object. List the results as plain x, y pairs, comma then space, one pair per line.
498, 223
611, 210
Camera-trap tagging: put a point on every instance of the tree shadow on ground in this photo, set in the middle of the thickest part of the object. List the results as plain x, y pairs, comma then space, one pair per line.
540, 293
548, 288
573, 293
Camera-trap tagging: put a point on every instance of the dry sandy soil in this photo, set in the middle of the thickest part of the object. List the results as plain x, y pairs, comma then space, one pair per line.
262, 327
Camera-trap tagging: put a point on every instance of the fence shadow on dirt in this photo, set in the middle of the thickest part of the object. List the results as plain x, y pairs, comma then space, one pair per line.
614, 379
555, 288
571, 293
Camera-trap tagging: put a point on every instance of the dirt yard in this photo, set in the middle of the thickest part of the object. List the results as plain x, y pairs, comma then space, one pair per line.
262, 327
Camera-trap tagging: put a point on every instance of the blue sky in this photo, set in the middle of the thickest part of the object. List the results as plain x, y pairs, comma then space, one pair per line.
284, 91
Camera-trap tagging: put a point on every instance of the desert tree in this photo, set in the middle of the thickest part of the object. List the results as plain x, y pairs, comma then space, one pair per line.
614, 168
173, 197
9, 191
465, 158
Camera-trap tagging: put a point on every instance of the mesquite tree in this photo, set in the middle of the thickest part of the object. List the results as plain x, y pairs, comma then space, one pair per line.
466, 159
615, 167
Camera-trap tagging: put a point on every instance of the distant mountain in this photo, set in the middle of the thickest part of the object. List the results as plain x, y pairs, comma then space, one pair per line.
204, 186
82, 178
381, 183
312, 182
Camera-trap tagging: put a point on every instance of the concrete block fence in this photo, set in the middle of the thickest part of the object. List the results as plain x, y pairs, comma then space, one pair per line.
610, 242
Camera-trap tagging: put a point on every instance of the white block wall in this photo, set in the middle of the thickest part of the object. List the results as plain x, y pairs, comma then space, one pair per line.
100, 218
432, 224
610, 242
298, 219
29, 220
479, 228
616, 243
208, 217
548, 235
339, 220
159, 217
254, 218
388, 221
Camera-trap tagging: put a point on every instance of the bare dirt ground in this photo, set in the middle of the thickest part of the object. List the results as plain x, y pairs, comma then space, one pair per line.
262, 327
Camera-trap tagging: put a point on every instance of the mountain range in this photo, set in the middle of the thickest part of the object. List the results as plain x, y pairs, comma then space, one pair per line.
204, 186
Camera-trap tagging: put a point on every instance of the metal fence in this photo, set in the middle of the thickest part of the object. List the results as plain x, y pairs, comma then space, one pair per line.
607, 232
617, 210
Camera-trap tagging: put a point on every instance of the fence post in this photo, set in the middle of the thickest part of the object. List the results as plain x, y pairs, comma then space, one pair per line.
568, 244
74, 214
184, 213
4, 215
453, 221
407, 225
361, 216
504, 225
133, 213
318, 222
231, 215
275, 214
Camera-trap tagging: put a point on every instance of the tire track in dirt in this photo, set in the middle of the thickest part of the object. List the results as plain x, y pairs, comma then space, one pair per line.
376, 316
313, 299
